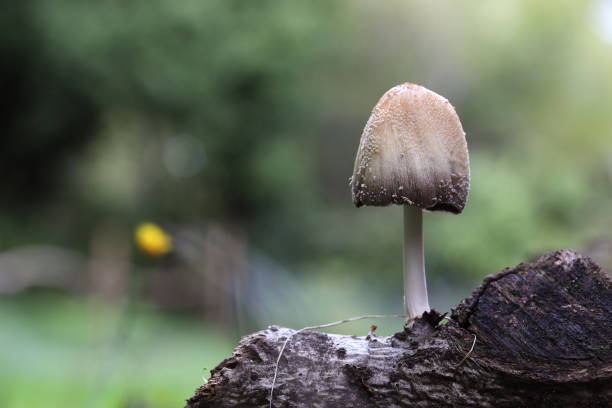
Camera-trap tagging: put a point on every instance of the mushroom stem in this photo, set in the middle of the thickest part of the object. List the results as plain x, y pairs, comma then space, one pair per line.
415, 287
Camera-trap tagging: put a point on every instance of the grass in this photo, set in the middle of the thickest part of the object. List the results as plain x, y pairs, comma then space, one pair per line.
58, 351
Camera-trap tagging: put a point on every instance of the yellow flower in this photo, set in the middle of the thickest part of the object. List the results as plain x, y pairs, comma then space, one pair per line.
152, 240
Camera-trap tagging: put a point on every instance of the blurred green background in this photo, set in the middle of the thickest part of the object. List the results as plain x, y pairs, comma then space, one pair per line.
234, 126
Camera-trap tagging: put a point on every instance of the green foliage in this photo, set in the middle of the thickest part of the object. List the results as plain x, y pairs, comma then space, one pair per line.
248, 113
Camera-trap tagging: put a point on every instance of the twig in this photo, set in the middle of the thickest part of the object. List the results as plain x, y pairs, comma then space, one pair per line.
469, 353
322, 326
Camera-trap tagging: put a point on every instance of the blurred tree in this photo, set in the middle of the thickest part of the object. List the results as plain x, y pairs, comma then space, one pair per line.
218, 79
224, 72
44, 116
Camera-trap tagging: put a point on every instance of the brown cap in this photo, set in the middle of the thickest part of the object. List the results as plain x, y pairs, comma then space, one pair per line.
412, 151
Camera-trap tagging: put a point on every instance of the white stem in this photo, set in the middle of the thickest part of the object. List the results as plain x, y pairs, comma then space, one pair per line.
415, 287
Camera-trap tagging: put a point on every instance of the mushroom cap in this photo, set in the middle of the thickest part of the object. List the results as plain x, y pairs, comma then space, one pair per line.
412, 151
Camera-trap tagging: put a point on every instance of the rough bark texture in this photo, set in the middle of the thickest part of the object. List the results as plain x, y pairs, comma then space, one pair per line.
543, 337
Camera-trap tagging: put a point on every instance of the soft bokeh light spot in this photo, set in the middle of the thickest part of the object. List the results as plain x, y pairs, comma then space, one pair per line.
602, 16
183, 156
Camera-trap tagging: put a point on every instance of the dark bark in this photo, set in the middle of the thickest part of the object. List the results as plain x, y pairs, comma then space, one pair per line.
543, 337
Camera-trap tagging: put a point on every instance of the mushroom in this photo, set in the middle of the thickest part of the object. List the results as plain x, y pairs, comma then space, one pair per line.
413, 152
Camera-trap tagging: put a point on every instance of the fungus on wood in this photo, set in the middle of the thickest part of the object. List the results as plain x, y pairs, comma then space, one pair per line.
540, 336
413, 153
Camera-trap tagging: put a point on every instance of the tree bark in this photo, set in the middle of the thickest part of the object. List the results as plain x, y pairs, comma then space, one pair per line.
543, 335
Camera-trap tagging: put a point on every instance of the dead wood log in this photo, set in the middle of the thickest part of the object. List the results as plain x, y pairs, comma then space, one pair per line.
543, 336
